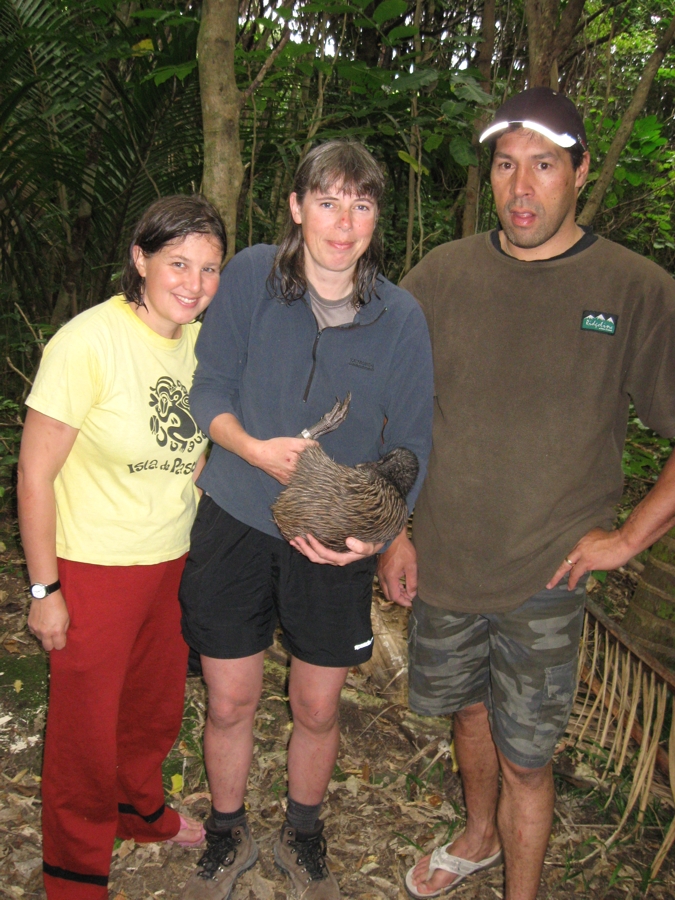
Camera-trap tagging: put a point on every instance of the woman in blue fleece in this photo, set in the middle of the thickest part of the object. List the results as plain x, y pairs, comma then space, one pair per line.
290, 329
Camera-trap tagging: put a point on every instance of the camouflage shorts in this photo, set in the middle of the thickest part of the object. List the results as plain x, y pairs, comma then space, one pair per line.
522, 665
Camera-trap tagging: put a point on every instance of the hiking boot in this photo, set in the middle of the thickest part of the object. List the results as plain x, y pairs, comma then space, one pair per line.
303, 858
228, 854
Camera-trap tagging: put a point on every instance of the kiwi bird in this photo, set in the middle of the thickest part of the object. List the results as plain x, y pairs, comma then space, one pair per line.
334, 502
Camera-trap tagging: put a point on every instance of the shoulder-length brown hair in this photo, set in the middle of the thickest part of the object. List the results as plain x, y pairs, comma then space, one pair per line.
348, 166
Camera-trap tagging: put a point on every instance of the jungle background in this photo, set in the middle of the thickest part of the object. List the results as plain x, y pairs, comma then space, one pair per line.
106, 105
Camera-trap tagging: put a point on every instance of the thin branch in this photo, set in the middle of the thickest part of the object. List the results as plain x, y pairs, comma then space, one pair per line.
23, 315
266, 66
381, 713
317, 115
623, 133
635, 200
599, 12
421, 753
264, 36
443, 750
251, 179
585, 47
18, 371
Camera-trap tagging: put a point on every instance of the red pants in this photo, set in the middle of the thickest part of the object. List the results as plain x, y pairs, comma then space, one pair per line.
115, 709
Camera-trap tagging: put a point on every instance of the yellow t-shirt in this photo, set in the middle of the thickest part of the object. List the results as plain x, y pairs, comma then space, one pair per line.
125, 494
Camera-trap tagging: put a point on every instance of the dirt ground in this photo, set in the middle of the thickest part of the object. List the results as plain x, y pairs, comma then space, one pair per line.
394, 794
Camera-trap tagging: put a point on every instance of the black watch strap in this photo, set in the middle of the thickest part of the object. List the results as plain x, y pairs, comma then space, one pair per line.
39, 591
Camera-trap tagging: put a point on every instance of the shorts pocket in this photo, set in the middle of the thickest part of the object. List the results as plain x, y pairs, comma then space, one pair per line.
556, 706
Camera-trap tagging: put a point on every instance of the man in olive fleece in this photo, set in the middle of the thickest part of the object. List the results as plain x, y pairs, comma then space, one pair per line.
542, 333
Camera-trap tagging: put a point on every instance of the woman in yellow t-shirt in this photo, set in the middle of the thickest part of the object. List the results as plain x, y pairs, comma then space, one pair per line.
108, 460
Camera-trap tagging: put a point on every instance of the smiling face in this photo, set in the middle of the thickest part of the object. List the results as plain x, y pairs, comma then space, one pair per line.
535, 188
180, 282
337, 228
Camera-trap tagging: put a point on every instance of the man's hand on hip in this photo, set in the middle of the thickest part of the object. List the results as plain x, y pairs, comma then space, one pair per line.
599, 549
603, 550
397, 571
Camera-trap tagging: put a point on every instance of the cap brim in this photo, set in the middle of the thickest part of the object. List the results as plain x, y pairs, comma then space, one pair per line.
562, 140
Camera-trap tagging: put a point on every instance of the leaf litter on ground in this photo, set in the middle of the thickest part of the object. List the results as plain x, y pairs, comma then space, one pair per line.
393, 796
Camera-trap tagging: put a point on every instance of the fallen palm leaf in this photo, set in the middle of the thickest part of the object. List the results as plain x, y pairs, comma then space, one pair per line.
618, 684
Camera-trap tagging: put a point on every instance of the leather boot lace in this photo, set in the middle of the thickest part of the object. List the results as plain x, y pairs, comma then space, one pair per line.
311, 856
219, 848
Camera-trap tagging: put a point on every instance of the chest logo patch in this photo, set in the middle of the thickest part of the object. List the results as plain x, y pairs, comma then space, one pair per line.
362, 364
171, 421
605, 323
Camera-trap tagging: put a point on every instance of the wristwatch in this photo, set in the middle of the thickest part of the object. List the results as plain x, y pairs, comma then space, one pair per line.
40, 591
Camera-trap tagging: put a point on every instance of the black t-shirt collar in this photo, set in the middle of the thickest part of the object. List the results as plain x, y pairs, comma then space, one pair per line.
584, 242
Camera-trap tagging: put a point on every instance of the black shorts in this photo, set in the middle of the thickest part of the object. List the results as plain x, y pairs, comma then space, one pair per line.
238, 581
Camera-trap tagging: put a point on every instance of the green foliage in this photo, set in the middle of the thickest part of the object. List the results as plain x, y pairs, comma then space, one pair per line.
645, 452
389, 9
93, 104
645, 170
10, 436
638, 205
100, 113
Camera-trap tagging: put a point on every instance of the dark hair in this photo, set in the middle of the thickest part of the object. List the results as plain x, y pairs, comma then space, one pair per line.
168, 219
576, 151
352, 169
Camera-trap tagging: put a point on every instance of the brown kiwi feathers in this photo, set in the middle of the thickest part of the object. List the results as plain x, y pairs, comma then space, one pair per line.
334, 502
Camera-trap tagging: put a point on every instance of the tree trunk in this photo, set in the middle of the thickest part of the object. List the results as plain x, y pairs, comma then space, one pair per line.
651, 612
596, 197
221, 107
222, 102
412, 193
484, 62
550, 33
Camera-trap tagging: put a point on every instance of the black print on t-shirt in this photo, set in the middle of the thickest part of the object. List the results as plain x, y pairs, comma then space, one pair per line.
172, 422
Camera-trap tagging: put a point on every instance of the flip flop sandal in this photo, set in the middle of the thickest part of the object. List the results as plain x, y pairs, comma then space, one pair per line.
184, 824
449, 863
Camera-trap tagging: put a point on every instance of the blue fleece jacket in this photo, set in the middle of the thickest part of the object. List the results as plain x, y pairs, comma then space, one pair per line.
266, 362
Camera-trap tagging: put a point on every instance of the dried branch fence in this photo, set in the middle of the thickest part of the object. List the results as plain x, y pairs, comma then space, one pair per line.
622, 700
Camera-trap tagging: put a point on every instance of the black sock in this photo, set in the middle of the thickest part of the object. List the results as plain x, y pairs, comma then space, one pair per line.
224, 821
303, 818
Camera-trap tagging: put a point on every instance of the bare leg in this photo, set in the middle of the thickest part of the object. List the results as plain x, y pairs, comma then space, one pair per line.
314, 693
525, 818
234, 691
479, 768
